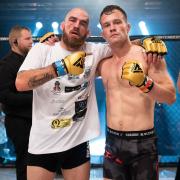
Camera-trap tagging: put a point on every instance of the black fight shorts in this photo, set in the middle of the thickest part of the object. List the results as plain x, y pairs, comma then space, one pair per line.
130, 155
66, 160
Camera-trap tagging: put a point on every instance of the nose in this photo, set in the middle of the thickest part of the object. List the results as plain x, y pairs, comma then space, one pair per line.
76, 24
112, 28
31, 41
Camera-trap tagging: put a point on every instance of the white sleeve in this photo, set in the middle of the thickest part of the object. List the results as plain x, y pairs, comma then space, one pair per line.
104, 50
35, 57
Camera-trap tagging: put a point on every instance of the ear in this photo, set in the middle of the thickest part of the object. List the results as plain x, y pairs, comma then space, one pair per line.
15, 42
128, 27
88, 33
62, 26
102, 34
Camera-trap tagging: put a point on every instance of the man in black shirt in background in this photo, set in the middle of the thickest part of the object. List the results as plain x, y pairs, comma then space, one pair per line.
17, 106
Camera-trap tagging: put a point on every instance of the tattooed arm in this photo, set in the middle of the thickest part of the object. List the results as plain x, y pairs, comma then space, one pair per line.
28, 80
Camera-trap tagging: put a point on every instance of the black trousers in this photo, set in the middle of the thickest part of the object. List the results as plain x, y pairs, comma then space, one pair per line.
18, 130
131, 155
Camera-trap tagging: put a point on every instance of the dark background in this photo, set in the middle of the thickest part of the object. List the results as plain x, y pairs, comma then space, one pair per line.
161, 16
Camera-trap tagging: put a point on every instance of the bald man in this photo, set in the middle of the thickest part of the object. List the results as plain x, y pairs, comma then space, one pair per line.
65, 115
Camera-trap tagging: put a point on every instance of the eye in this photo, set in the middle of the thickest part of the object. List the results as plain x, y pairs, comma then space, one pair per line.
106, 25
117, 21
72, 19
84, 23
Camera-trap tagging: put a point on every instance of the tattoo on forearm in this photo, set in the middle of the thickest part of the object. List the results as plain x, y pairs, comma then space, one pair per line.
36, 80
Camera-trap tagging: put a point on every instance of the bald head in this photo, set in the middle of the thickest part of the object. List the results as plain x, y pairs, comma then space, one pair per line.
77, 12
75, 28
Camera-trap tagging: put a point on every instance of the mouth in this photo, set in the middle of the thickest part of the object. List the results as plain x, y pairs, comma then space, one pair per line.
114, 35
75, 33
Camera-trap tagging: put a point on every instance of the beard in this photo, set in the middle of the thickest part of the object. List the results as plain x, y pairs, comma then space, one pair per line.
24, 50
73, 42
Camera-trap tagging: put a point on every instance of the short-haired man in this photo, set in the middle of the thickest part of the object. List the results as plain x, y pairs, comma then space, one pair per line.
132, 85
17, 106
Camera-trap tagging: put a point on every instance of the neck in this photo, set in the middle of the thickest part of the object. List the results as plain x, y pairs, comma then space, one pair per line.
120, 50
18, 51
69, 48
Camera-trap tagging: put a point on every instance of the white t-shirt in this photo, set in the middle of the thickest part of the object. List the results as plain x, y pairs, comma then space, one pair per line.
65, 110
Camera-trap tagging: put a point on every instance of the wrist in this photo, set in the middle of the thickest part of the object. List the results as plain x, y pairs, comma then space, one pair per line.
58, 68
147, 85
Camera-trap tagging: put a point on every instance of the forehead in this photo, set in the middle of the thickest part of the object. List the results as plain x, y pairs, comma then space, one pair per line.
78, 13
25, 33
110, 16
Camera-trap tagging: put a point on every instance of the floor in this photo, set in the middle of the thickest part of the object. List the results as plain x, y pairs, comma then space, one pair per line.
96, 174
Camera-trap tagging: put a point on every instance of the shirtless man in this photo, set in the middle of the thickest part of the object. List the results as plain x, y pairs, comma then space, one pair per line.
132, 86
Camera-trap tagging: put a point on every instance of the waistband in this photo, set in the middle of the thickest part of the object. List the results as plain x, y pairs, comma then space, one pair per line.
132, 134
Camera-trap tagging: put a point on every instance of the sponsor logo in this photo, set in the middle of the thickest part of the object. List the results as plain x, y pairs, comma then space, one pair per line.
87, 73
61, 123
57, 101
70, 89
76, 88
83, 96
88, 151
137, 68
80, 110
62, 112
56, 87
79, 63
85, 85
73, 78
